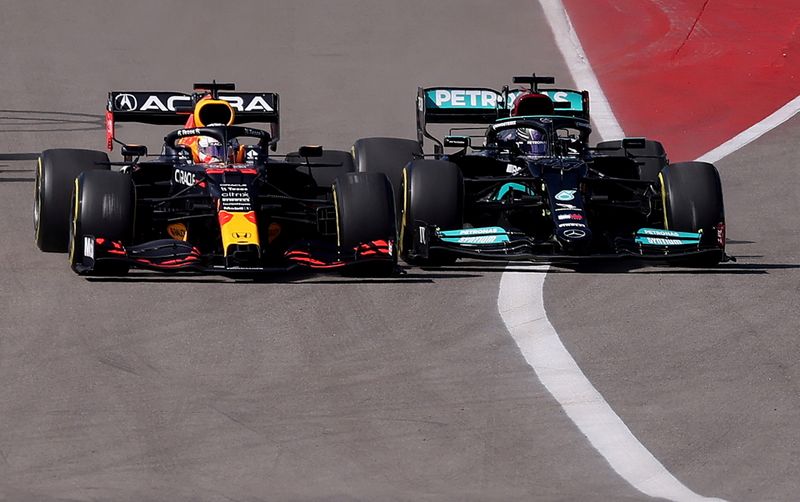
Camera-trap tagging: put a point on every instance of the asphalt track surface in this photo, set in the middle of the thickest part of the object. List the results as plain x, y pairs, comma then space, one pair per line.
328, 388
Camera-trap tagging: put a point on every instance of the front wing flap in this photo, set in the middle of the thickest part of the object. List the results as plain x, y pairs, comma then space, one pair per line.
177, 255
501, 244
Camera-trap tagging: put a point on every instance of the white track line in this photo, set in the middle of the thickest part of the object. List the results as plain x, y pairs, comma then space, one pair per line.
786, 112
578, 64
520, 302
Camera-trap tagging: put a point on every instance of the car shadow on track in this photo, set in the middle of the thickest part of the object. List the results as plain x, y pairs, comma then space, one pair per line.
15, 178
298, 278
618, 267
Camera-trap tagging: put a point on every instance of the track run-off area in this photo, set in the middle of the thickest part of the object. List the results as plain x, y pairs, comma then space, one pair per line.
323, 387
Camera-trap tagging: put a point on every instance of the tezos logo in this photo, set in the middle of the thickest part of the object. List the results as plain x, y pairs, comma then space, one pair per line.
566, 195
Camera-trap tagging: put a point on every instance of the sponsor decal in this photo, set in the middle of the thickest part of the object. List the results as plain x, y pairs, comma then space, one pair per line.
463, 98
256, 104
566, 207
177, 231
154, 104
659, 232
184, 177
188, 132
485, 235
563, 225
484, 99
125, 102
512, 169
571, 216
574, 233
88, 247
235, 197
168, 102
566, 195
664, 241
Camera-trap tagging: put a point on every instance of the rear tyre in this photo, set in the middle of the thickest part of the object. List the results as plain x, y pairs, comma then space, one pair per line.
388, 156
433, 193
324, 176
692, 199
651, 159
103, 205
365, 213
55, 176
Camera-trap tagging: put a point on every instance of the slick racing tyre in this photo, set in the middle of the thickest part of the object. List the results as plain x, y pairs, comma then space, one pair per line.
55, 176
651, 159
388, 156
324, 176
433, 194
692, 200
103, 205
365, 213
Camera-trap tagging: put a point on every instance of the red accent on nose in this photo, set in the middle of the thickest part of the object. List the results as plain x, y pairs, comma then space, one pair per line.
224, 217
251, 217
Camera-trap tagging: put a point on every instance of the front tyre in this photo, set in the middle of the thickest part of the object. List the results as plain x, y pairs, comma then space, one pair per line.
692, 202
103, 206
365, 213
55, 174
433, 194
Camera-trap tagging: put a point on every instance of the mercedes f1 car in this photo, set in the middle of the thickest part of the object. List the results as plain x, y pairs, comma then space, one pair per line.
517, 179
243, 211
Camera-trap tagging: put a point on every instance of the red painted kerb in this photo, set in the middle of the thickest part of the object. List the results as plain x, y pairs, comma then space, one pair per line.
691, 73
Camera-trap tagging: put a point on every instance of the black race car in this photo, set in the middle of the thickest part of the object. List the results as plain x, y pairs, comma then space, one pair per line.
246, 212
527, 185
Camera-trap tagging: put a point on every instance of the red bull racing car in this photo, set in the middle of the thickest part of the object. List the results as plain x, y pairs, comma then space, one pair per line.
517, 179
214, 200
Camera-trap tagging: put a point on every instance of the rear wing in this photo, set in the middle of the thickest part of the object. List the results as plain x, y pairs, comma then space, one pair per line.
174, 108
479, 105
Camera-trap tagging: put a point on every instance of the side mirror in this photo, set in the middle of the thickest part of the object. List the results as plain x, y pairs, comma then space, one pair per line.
130, 151
458, 141
310, 151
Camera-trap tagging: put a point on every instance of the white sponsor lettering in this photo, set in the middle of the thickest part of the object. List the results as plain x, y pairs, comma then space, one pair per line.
153, 103
88, 247
457, 98
184, 177
563, 225
173, 100
257, 104
480, 239
663, 242
441, 97
467, 98
656, 231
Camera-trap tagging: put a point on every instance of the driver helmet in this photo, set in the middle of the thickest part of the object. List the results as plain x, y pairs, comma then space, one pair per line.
530, 142
211, 151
